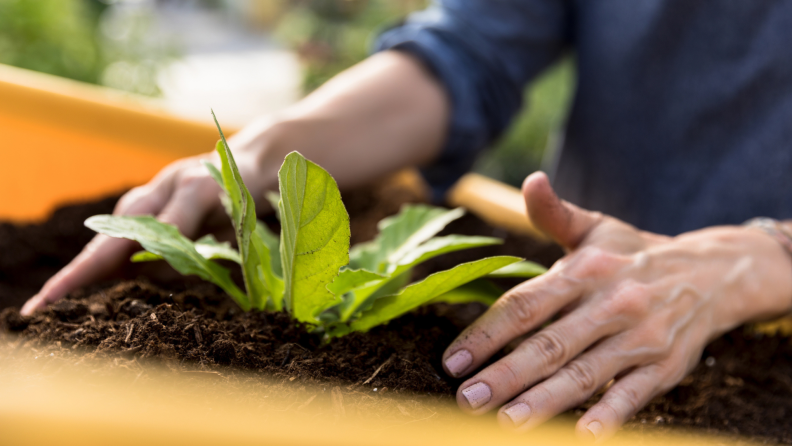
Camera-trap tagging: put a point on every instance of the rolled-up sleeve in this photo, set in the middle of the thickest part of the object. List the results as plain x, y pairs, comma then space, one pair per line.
484, 52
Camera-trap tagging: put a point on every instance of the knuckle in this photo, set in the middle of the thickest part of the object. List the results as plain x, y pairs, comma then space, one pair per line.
508, 372
630, 399
128, 201
584, 376
630, 299
592, 262
523, 308
550, 347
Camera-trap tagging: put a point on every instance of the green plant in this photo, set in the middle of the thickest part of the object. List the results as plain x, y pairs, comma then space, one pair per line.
310, 271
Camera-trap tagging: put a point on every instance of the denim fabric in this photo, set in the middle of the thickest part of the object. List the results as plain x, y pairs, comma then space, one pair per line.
682, 117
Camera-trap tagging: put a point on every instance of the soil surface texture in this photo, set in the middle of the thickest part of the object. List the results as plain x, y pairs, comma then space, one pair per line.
742, 388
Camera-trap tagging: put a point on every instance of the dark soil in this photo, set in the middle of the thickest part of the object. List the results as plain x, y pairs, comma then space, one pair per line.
744, 390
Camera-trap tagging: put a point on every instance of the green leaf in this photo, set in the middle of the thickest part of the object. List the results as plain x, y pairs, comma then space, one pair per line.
417, 294
243, 213
165, 240
274, 199
439, 246
479, 290
207, 246
218, 177
314, 236
400, 272
350, 279
401, 234
524, 269
267, 250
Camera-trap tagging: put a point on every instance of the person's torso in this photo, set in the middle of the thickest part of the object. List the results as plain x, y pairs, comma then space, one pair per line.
683, 114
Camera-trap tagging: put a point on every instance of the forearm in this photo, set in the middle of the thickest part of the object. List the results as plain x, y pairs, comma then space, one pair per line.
384, 114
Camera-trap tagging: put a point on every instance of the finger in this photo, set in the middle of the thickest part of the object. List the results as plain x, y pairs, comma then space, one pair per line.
569, 387
517, 312
98, 259
193, 197
528, 305
623, 400
564, 222
548, 353
103, 255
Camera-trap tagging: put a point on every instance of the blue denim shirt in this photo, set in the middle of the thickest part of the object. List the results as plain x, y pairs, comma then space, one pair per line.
682, 116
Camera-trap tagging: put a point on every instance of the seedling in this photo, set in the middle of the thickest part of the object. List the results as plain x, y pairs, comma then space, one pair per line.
309, 271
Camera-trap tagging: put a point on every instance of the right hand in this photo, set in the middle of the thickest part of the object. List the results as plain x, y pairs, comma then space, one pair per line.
182, 194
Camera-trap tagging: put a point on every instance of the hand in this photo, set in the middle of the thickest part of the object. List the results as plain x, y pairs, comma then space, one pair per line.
182, 194
633, 306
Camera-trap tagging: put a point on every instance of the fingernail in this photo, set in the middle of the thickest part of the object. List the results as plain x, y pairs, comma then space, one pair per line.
519, 413
459, 362
595, 427
477, 395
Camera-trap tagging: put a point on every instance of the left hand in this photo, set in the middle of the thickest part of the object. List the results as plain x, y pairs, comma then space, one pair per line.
634, 306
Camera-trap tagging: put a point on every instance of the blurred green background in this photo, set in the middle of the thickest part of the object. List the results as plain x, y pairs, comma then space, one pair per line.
115, 43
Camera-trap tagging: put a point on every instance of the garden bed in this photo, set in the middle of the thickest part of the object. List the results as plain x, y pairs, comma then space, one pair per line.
745, 389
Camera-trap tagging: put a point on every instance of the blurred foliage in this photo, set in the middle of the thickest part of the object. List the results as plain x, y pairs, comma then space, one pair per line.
332, 35
51, 36
103, 42
530, 141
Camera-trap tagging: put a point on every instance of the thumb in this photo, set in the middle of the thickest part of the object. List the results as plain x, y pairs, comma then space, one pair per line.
562, 221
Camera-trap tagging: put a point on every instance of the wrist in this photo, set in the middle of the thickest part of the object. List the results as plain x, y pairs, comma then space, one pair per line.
781, 235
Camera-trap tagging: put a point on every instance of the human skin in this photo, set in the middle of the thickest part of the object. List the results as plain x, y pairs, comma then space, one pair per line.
636, 306
631, 305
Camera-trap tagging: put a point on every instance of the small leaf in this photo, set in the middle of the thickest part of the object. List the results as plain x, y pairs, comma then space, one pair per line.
417, 294
165, 240
480, 290
432, 248
439, 246
274, 198
216, 175
350, 279
207, 246
269, 263
225, 200
144, 256
314, 236
244, 220
400, 234
524, 269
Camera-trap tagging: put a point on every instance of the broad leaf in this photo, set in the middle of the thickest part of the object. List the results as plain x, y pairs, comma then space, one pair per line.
417, 294
524, 270
207, 246
314, 236
480, 290
165, 240
401, 234
244, 219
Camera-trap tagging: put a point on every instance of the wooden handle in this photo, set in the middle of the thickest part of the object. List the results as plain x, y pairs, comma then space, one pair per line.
496, 203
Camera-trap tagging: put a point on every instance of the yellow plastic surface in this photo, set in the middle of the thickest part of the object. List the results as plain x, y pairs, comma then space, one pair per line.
64, 401
64, 141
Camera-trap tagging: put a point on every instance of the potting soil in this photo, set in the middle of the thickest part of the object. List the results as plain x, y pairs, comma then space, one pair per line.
742, 388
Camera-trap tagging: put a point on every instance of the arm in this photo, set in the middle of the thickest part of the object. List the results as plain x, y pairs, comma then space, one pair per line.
377, 117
